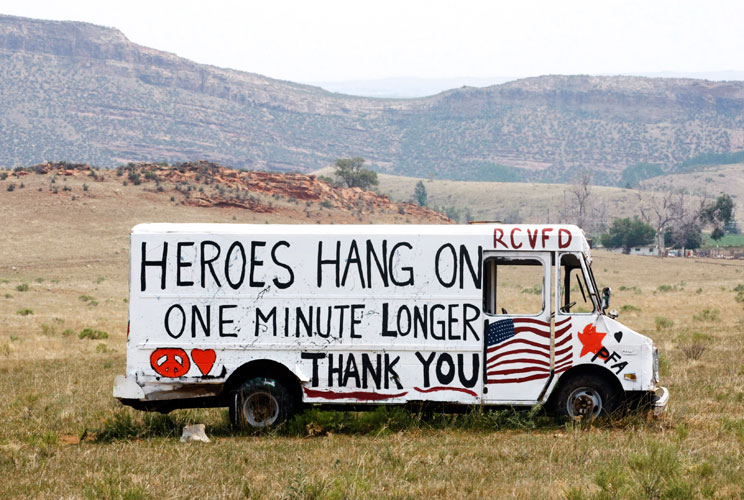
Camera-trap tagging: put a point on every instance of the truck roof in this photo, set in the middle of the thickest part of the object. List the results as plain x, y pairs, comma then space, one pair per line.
517, 237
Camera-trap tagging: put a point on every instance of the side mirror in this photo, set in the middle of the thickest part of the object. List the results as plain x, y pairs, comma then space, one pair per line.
606, 292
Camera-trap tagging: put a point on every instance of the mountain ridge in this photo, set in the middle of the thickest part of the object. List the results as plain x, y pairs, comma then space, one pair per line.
81, 92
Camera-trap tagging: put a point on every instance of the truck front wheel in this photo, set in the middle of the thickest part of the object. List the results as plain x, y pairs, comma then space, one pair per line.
585, 397
260, 402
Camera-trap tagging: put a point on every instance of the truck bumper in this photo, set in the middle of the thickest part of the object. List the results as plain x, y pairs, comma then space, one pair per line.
127, 388
660, 401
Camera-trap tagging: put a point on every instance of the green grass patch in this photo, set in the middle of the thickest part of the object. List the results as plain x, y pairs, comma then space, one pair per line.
663, 323
90, 333
708, 315
728, 240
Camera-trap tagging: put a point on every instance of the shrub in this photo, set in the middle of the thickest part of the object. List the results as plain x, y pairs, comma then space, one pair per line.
23, 287
24, 312
134, 178
707, 315
659, 473
453, 213
693, 346
693, 350
535, 290
90, 333
629, 308
663, 323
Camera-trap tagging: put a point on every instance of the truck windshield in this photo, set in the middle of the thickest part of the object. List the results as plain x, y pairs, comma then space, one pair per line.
594, 290
578, 293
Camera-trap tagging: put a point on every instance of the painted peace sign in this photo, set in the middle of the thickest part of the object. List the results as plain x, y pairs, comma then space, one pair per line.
170, 362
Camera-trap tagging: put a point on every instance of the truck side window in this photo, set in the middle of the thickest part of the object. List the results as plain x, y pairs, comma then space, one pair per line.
575, 294
513, 286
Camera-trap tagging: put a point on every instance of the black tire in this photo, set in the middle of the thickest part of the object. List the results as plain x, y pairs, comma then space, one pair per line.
585, 397
260, 402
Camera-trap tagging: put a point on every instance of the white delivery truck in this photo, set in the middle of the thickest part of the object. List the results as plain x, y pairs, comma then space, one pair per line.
266, 318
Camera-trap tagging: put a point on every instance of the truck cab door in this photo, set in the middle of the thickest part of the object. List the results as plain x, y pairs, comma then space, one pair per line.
518, 328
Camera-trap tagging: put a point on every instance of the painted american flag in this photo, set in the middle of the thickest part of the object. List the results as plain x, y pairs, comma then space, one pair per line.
518, 350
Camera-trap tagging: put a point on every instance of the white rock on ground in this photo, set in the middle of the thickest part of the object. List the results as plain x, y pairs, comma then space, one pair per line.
194, 433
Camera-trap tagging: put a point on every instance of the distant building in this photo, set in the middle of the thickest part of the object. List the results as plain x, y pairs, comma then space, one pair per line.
641, 250
645, 250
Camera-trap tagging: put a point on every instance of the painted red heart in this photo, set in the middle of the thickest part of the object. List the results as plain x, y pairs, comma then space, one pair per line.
203, 359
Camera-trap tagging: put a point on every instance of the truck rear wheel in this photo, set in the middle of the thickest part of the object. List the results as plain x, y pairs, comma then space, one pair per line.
585, 397
260, 402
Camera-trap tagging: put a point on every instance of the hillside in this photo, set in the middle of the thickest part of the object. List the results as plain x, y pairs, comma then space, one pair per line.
87, 94
111, 202
536, 203
711, 180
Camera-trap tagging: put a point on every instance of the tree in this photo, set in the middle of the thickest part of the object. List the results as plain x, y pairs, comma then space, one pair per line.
664, 210
626, 233
582, 190
688, 235
352, 173
419, 193
720, 213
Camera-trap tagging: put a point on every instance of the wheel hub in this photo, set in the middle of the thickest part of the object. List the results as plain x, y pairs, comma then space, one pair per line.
261, 409
585, 403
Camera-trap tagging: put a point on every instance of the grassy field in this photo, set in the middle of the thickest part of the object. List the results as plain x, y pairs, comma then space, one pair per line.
63, 290
713, 180
729, 240
504, 201
540, 203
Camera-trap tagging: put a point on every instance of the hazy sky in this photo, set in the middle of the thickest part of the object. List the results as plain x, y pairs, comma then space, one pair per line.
318, 40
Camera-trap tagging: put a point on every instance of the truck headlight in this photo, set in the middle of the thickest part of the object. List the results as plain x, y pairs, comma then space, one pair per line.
656, 364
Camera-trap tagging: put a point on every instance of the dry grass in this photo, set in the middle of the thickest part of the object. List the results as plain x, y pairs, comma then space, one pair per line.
57, 390
712, 180
540, 203
504, 201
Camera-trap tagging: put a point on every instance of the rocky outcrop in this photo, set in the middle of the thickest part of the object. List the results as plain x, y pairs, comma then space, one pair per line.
207, 184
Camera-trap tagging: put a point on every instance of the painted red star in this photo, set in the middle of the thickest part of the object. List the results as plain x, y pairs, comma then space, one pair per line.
591, 340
